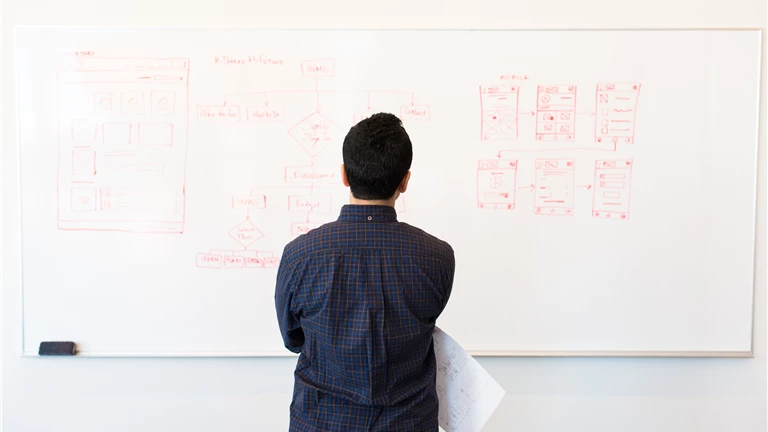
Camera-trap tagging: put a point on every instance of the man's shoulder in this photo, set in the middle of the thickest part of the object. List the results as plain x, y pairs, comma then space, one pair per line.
308, 241
429, 242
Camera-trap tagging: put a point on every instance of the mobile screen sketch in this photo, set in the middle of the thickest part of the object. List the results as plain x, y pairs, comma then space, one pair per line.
612, 185
616, 112
499, 112
556, 113
554, 187
496, 181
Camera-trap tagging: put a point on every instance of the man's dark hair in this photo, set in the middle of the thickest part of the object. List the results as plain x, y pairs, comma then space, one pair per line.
377, 156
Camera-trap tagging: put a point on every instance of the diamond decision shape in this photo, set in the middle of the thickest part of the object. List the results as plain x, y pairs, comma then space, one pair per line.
314, 133
246, 233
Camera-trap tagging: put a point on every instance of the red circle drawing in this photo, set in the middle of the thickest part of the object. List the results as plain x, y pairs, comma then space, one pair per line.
496, 182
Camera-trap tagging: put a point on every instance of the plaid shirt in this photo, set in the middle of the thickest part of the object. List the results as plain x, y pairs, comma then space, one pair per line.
358, 298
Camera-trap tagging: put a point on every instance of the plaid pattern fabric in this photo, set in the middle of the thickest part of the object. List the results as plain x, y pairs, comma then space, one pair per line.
358, 299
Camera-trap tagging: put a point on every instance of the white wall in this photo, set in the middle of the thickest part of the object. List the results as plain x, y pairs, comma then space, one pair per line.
550, 394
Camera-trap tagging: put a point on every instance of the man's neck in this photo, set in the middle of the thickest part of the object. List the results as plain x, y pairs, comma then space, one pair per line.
354, 201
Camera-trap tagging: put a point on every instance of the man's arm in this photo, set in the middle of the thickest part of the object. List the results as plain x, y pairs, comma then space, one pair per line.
448, 275
445, 278
290, 325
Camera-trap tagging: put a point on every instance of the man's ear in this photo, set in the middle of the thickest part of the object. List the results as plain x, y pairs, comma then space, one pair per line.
404, 184
344, 176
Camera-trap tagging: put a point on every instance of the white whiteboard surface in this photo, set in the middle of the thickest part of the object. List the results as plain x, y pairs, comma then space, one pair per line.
598, 186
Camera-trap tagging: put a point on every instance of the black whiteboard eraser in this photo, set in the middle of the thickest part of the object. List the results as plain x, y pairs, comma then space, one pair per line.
57, 349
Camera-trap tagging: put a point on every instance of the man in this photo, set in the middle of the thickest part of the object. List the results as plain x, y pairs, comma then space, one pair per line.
358, 298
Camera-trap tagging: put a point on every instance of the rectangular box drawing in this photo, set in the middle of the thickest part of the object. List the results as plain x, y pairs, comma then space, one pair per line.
83, 199
132, 103
234, 262
302, 228
612, 189
318, 67
556, 113
209, 261
226, 113
554, 187
414, 113
499, 112
265, 113
254, 262
311, 174
496, 184
83, 162
103, 102
251, 202
134, 189
163, 102
615, 112
310, 203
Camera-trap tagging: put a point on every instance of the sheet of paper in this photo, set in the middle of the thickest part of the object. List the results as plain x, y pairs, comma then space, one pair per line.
467, 393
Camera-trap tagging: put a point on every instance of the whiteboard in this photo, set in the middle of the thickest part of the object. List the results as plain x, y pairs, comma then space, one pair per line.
598, 187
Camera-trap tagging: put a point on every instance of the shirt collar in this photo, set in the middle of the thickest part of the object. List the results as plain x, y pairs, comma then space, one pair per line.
367, 213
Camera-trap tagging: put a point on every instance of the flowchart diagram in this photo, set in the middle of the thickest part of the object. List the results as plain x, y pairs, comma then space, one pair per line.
306, 190
553, 180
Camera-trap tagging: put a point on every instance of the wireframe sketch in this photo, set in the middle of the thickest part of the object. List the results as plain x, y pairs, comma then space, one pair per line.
496, 184
452, 364
473, 386
612, 189
616, 112
122, 144
454, 415
554, 188
556, 113
499, 112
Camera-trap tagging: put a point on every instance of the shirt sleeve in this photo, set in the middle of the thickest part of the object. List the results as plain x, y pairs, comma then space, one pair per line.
448, 273
290, 323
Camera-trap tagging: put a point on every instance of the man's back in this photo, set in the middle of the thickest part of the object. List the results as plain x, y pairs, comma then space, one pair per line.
359, 298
